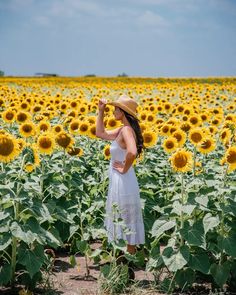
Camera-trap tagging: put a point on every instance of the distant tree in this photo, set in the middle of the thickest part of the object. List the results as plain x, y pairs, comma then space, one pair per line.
122, 75
90, 75
46, 75
1, 73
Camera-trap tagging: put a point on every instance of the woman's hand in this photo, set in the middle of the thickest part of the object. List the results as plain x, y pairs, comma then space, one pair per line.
119, 166
101, 104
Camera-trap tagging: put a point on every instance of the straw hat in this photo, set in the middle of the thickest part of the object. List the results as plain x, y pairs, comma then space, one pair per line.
127, 104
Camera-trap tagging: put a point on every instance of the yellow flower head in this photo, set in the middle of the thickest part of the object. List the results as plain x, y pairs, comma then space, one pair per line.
196, 136
27, 129
182, 160
46, 143
9, 148
149, 138
207, 146
106, 152
170, 144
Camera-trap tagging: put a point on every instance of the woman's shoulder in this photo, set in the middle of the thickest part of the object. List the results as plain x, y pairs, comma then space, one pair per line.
129, 131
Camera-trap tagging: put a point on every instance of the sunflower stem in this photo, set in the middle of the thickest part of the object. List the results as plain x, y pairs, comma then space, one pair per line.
194, 161
16, 217
182, 203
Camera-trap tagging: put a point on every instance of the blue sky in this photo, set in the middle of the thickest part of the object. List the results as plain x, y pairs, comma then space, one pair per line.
156, 38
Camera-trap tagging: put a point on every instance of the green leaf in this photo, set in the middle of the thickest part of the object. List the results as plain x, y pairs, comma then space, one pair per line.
200, 262
72, 260
5, 241
5, 274
228, 244
3, 215
220, 273
176, 260
82, 246
185, 278
194, 234
209, 222
32, 260
160, 226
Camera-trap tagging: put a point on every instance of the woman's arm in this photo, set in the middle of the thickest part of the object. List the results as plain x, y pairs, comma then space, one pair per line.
100, 130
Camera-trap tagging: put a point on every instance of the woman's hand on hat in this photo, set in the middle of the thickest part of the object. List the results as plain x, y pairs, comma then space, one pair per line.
102, 103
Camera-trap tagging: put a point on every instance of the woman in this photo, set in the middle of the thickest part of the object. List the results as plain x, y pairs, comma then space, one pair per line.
123, 186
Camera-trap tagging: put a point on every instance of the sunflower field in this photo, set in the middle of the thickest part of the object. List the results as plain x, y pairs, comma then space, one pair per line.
54, 178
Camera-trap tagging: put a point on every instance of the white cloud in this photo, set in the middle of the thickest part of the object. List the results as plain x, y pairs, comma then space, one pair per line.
149, 18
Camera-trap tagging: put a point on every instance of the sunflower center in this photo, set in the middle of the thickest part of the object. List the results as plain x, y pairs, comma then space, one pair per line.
45, 142
223, 135
194, 120
196, 137
180, 161
57, 128
178, 137
147, 138
206, 144
74, 126
6, 146
169, 144
107, 152
44, 127
84, 127
231, 158
21, 117
93, 130
27, 128
9, 116
63, 140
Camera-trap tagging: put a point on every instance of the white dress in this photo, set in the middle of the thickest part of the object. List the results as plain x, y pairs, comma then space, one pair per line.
123, 207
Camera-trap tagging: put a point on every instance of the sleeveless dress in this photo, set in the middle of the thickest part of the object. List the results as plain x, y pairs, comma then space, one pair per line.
123, 207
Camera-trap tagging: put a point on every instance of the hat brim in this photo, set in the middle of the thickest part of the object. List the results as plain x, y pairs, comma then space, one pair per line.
123, 107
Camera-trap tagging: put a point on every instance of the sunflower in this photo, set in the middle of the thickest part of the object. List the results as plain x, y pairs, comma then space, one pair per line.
225, 135
230, 158
22, 116
195, 120
112, 123
57, 128
185, 126
44, 126
25, 106
150, 118
9, 148
180, 136
8, 116
143, 115
36, 108
83, 128
92, 131
29, 167
75, 151
74, 126
64, 140
207, 146
21, 143
165, 130
46, 143
149, 138
170, 144
106, 152
63, 107
196, 136
83, 109
27, 129
182, 161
